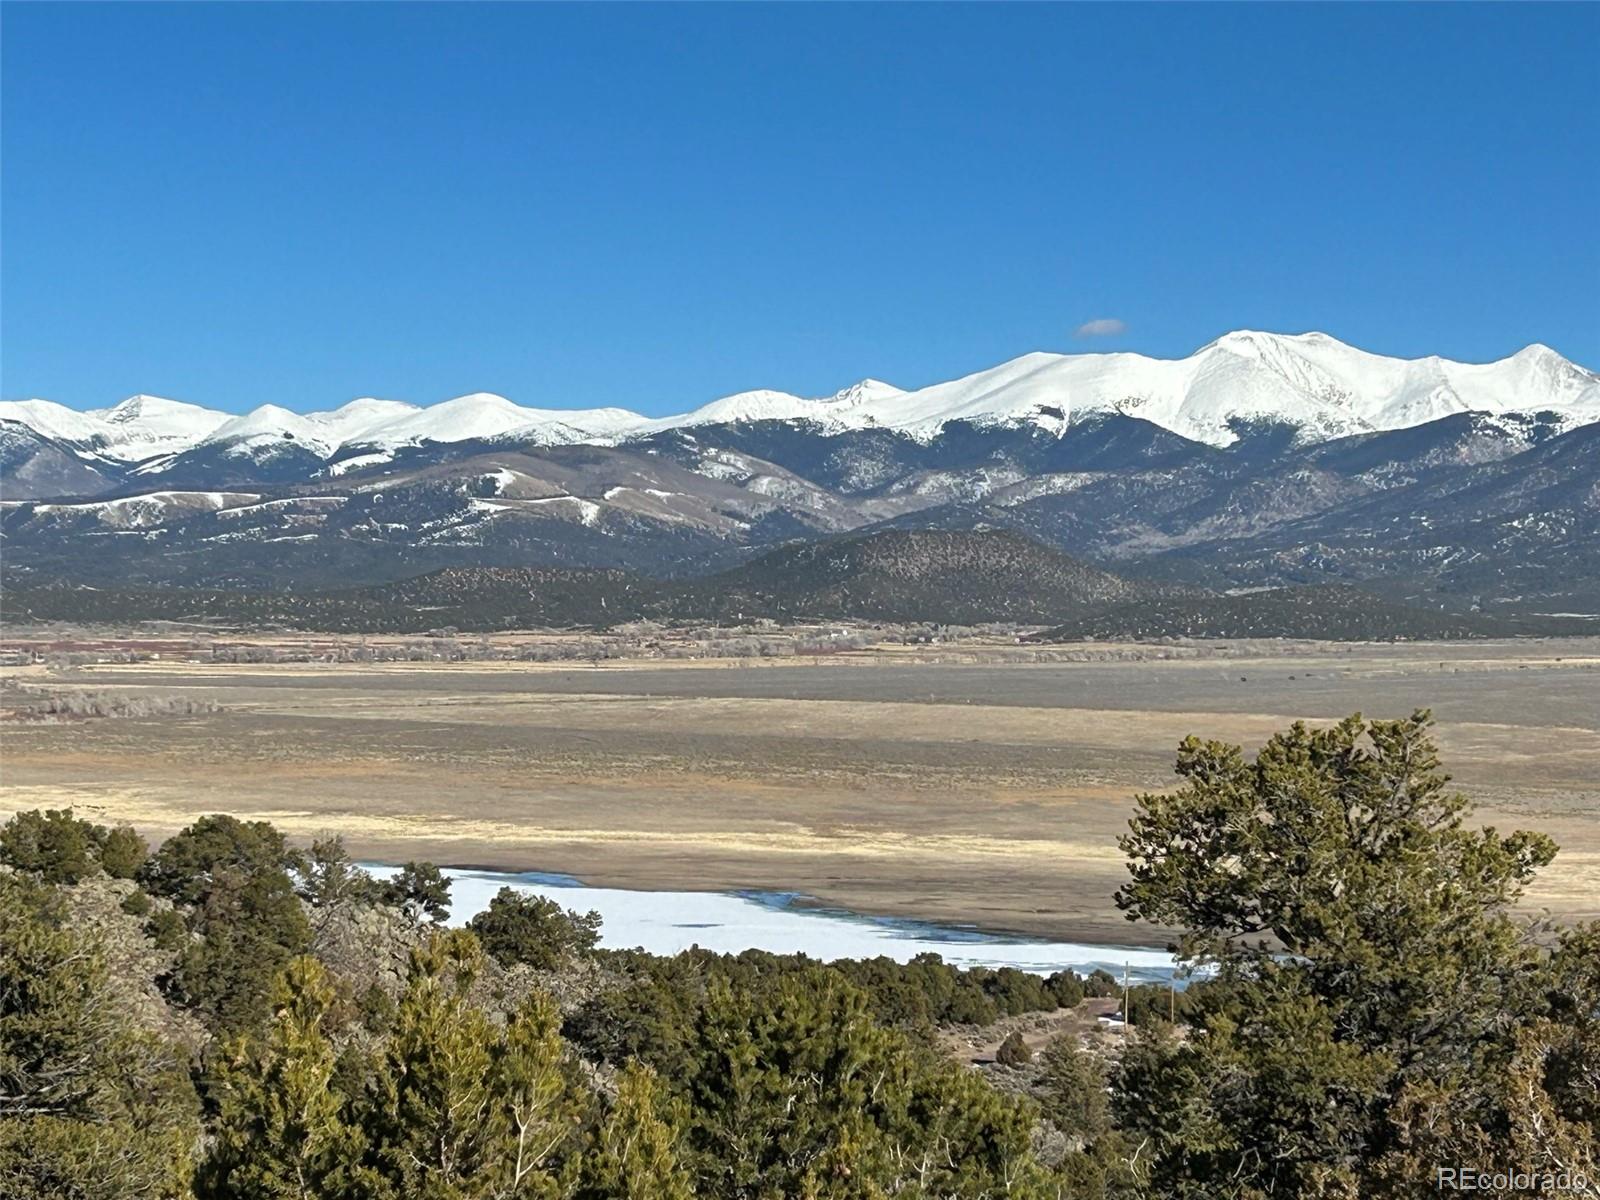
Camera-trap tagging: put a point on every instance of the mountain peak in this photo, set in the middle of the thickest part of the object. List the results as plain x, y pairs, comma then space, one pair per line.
864, 392
478, 400
141, 405
268, 419
763, 404
1251, 343
370, 404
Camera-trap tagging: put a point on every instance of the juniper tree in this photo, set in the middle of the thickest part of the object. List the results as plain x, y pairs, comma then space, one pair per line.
1362, 942
432, 1118
519, 928
421, 890
1014, 1051
638, 1154
1344, 849
62, 848
231, 880
799, 1092
1072, 1089
94, 1104
283, 1130
461, 1109
325, 876
539, 1104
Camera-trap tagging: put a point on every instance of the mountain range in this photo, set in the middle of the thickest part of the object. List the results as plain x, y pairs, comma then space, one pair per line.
1313, 383
1260, 461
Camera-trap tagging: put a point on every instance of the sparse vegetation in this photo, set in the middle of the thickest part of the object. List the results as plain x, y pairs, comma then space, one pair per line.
84, 705
421, 890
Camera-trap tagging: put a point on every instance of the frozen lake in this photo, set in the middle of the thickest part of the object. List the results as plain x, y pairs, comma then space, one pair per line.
670, 922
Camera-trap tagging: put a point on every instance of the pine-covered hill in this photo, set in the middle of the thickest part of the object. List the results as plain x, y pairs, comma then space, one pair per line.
950, 576
961, 577
475, 599
957, 577
1332, 613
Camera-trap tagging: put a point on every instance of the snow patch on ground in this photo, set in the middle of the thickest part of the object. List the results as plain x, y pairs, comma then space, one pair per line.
152, 508
588, 511
358, 461
671, 922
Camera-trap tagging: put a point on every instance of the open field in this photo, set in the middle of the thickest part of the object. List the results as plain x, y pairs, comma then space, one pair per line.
989, 793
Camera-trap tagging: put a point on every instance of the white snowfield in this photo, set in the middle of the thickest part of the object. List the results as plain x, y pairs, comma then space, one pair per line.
1311, 381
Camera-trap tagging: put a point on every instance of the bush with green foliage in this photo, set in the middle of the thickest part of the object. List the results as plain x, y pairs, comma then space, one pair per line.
188, 865
1072, 1089
325, 876
521, 928
421, 890
649, 1015
93, 1102
122, 852
638, 1151
460, 1107
797, 1091
1014, 1051
242, 915
62, 848
282, 1127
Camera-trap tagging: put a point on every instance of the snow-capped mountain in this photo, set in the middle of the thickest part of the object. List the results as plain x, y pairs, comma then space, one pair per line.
486, 415
139, 428
1320, 386
1312, 383
359, 418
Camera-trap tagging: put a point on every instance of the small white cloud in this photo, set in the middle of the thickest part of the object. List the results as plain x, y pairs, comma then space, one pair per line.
1101, 327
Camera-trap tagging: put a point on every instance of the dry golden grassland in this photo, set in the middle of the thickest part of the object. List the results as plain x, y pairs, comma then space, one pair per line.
886, 781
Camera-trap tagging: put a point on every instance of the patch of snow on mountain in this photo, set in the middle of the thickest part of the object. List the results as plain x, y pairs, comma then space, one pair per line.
479, 415
152, 508
500, 477
761, 405
288, 502
868, 391
356, 462
587, 511
138, 428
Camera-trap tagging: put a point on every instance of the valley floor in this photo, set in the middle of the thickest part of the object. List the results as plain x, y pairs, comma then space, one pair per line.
989, 793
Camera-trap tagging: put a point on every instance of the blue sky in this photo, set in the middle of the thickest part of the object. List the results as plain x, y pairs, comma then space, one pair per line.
652, 206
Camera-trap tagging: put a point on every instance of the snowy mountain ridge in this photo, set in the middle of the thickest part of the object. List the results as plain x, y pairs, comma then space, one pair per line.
1314, 383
